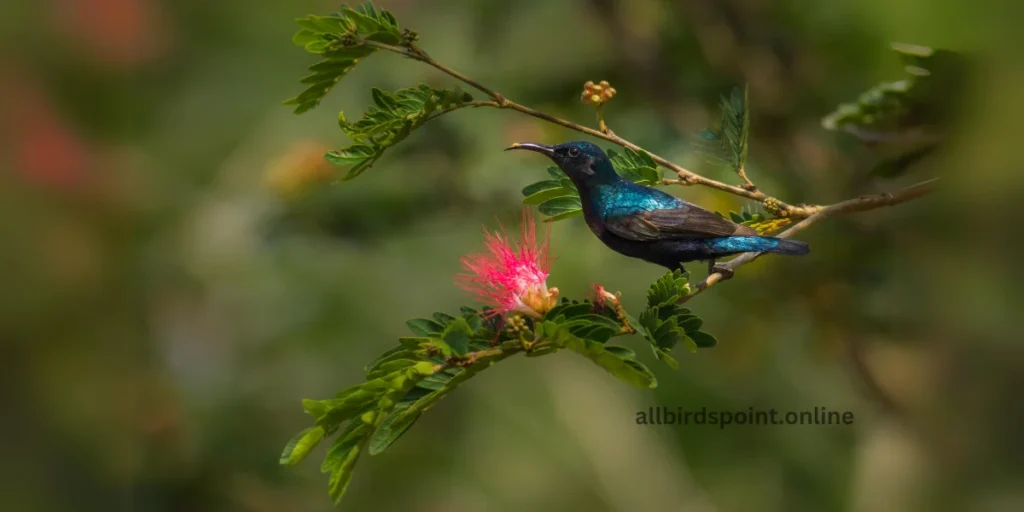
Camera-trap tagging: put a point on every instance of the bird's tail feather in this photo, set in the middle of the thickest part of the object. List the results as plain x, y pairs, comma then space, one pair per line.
735, 244
793, 247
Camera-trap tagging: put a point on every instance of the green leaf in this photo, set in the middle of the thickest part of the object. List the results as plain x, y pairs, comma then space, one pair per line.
393, 427
352, 402
542, 191
564, 215
689, 323
443, 318
541, 186
614, 361
668, 289
728, 143
702, 339
314, 408
636, 166
553, 332
300, 445
691, 346
401, 383
415, 342
392, 117
933, 83
434, 382
745, 217
666, 357
666, 323
902, 121
665, 333
365, 18
406, 413
622, 352
624, 369
475, 320
560, 206
392, 354
424, 327
556, 173
341, 475
442, 346
593, 327
883, 102
389, 367
358, 158
340, 41
569, 310
456, 335
354, 434
304, 37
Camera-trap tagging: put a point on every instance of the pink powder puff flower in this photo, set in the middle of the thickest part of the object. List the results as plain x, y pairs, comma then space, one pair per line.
511, 276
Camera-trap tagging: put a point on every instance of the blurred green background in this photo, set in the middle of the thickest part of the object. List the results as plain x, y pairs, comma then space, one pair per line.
168, 297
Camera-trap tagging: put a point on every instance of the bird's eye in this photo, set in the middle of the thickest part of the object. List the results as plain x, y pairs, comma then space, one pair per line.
574, 152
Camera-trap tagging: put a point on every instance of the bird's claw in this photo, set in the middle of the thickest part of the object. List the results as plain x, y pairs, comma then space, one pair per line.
717, 268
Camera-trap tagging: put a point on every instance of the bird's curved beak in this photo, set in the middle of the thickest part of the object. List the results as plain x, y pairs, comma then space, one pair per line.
543, 149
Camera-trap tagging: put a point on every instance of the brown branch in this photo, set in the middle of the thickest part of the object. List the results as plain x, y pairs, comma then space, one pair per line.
809, 214
858, 204
686, 177
474, 104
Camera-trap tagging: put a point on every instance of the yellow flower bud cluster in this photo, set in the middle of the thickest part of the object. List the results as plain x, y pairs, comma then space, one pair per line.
597, 94
516, 324
772, 206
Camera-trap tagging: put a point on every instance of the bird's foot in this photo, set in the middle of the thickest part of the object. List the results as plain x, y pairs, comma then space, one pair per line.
717, 268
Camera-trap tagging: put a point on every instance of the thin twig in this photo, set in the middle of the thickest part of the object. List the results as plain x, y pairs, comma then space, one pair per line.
747, 184
471, 358
601, 125
415, 52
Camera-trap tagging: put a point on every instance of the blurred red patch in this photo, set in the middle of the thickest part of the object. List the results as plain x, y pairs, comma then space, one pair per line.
43, 148
122, 33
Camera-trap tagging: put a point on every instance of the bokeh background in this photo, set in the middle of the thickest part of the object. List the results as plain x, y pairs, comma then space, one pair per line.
178, 272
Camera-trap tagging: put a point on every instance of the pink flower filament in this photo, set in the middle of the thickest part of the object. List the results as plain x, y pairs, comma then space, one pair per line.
511, 276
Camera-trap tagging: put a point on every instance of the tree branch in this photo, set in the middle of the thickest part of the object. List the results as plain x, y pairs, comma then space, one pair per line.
686, 177
809, 214
858, 204
474, 104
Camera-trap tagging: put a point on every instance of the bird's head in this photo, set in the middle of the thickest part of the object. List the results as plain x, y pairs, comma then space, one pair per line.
583, 162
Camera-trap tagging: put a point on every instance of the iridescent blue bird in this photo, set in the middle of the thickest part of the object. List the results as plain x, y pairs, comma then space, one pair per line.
646, 223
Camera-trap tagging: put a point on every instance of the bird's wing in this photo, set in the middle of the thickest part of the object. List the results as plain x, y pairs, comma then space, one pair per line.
688, 221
